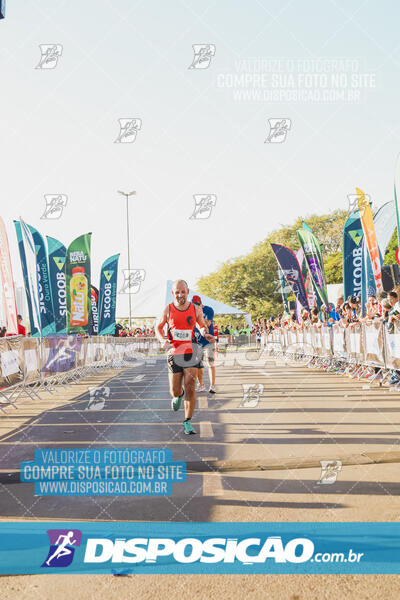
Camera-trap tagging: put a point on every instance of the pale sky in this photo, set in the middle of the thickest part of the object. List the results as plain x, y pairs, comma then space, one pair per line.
203, 131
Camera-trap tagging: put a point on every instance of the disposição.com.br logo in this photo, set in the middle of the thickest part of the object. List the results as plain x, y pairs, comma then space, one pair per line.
62, 547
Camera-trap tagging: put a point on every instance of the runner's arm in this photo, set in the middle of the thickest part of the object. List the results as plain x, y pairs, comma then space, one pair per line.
160, 327
203, 327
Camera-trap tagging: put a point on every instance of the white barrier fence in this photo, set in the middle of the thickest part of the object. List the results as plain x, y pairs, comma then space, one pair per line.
29, 366
362, 346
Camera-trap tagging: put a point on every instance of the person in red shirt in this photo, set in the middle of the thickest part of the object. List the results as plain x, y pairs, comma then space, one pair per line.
183, 358
21, 328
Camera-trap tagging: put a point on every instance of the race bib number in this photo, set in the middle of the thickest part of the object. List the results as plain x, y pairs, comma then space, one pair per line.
182, 335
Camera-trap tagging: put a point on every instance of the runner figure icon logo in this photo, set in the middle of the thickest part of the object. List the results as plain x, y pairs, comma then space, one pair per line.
133, 279
329, 471
61, 551
55, 204
251, 394
203, 205
353, 203
98, 396
203, 54
50, 53
278, 129
128, 129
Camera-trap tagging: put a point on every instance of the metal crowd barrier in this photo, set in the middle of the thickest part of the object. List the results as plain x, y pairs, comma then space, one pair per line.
371, 348
30, 366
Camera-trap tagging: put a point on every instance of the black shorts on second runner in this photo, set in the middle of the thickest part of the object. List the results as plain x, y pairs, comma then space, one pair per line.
177, 363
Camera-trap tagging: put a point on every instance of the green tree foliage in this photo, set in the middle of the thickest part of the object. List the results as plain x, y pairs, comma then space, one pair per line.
390, 256
251, 282
333, 264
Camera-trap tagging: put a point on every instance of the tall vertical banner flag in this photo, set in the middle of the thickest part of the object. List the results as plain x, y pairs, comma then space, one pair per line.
292, 272
311, 295
22, 256
27, 253
43, 278
352, 255
7, 282
94, 321
108, 295
77, 273
283, 290
315, 265
396, 199
384, 221
57, 256
367, 222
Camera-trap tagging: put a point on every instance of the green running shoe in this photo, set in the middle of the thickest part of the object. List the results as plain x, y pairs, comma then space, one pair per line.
176, 402
187, 428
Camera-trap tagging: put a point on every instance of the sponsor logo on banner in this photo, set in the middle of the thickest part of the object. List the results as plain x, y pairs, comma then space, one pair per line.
78, 280
367, 222
31, 269
291, 270
201, 547
62, 547
353, 236
314, 262
108, 295
43, 278
94, 295
33, 315
56, 251
190, 550
356, 235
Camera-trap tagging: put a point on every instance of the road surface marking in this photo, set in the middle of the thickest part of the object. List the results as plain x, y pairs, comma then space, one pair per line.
212, 484
203, 402
206, 430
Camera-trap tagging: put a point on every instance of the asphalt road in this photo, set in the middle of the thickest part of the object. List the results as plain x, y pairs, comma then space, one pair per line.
298, 417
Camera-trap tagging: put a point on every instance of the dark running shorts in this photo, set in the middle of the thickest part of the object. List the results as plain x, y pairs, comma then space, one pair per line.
177, 363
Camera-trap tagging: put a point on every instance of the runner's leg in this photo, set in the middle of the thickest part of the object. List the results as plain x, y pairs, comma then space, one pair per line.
175, 384
211, 365
189, 377
212, 375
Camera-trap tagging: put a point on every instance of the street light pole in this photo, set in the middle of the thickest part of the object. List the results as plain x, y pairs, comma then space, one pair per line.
129, 248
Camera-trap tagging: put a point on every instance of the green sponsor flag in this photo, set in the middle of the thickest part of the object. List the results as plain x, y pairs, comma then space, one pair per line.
57, 257
108, 295
77, 272
315, 265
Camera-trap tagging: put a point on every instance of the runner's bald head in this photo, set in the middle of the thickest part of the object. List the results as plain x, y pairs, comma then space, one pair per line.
179, 282
180, 291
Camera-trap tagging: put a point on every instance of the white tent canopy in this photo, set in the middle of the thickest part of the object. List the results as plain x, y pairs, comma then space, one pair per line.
150, 303
219, 308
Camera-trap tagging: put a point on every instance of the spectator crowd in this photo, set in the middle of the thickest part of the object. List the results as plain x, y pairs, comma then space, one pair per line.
383, 307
